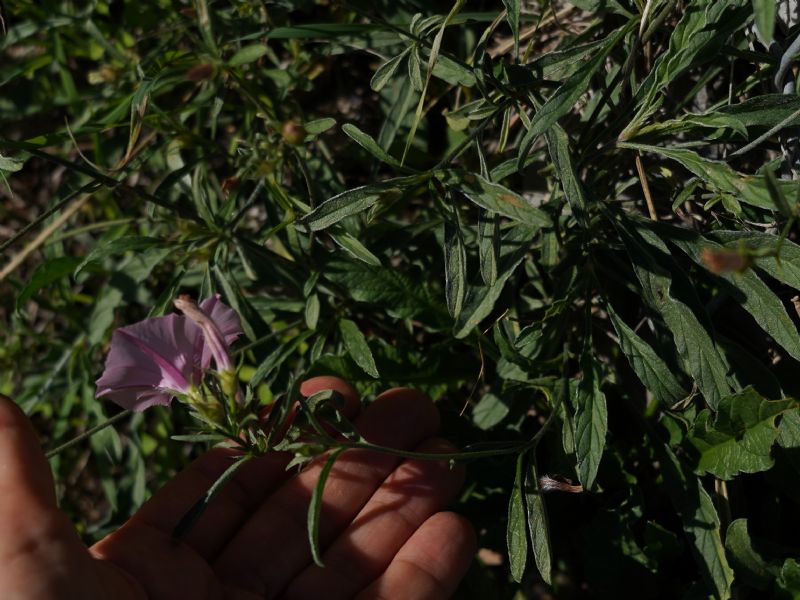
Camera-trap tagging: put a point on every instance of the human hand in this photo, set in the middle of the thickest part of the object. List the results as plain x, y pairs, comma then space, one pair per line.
382, 532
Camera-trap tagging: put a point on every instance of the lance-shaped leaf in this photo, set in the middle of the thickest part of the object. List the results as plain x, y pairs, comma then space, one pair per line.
652, 371
355, 201
591, 423
764, 13
45, 274
749, 189
481, 298
512, 16
455, 266
564, 98
739, 438
489, 245
538, 527
387, 70
780, 258
370, 145
494, 197
700, 521
248, 54
746, 288
700, 355
561, 155
357, 347
315, 507
516, 532
118, 246
354, 247
703, 28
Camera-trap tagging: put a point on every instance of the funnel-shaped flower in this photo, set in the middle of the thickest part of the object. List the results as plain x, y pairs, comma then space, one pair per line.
161, 357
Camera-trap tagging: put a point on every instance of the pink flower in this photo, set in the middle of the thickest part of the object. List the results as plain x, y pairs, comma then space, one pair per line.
154, 360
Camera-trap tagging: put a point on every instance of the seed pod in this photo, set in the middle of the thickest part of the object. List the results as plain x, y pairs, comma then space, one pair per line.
293, 132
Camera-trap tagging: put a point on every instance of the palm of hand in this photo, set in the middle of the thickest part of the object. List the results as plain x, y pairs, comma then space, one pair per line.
381, 530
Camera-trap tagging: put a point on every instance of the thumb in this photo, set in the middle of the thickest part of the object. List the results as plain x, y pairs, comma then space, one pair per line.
26, 483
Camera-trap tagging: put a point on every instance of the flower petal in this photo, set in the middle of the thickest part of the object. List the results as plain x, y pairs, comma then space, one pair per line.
149, 362
226, 319
136, 398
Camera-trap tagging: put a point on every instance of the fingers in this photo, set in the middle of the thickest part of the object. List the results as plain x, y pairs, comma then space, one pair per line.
400, 418
413, 492
430, 564
26, 484
234, 503
35, 532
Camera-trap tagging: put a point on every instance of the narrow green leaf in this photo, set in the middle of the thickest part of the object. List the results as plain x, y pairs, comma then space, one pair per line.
489, 245
516, 533
415, 70
357, 347
356, 201
315, 507
696, 39
739, 438
312, 311
564, 98
653, 372
746, 288
452, 72
354, 247
276, 358
764, 12
318, 126
591, 423
779, 258
118, 246
387, 70
701, 356
370, 145
45, 274
538, 527
248, 54
700, 522
512, 16
195, 512
400, 97
437, 43
455, 265
199, 438
562, 157
494, 197
481, 299
722, 178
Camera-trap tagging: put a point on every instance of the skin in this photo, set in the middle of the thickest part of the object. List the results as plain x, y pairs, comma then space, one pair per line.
383, 530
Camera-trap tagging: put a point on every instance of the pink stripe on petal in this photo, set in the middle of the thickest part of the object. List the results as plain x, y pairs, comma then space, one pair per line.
173, 378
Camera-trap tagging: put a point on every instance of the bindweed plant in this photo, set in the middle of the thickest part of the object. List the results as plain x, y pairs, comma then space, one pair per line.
571, 223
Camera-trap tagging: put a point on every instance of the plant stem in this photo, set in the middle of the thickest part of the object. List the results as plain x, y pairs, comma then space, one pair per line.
88, 433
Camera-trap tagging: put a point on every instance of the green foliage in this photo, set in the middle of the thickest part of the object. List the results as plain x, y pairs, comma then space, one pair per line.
573, 224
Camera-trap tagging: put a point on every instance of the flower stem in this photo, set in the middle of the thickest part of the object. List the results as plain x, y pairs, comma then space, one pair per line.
86, 434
